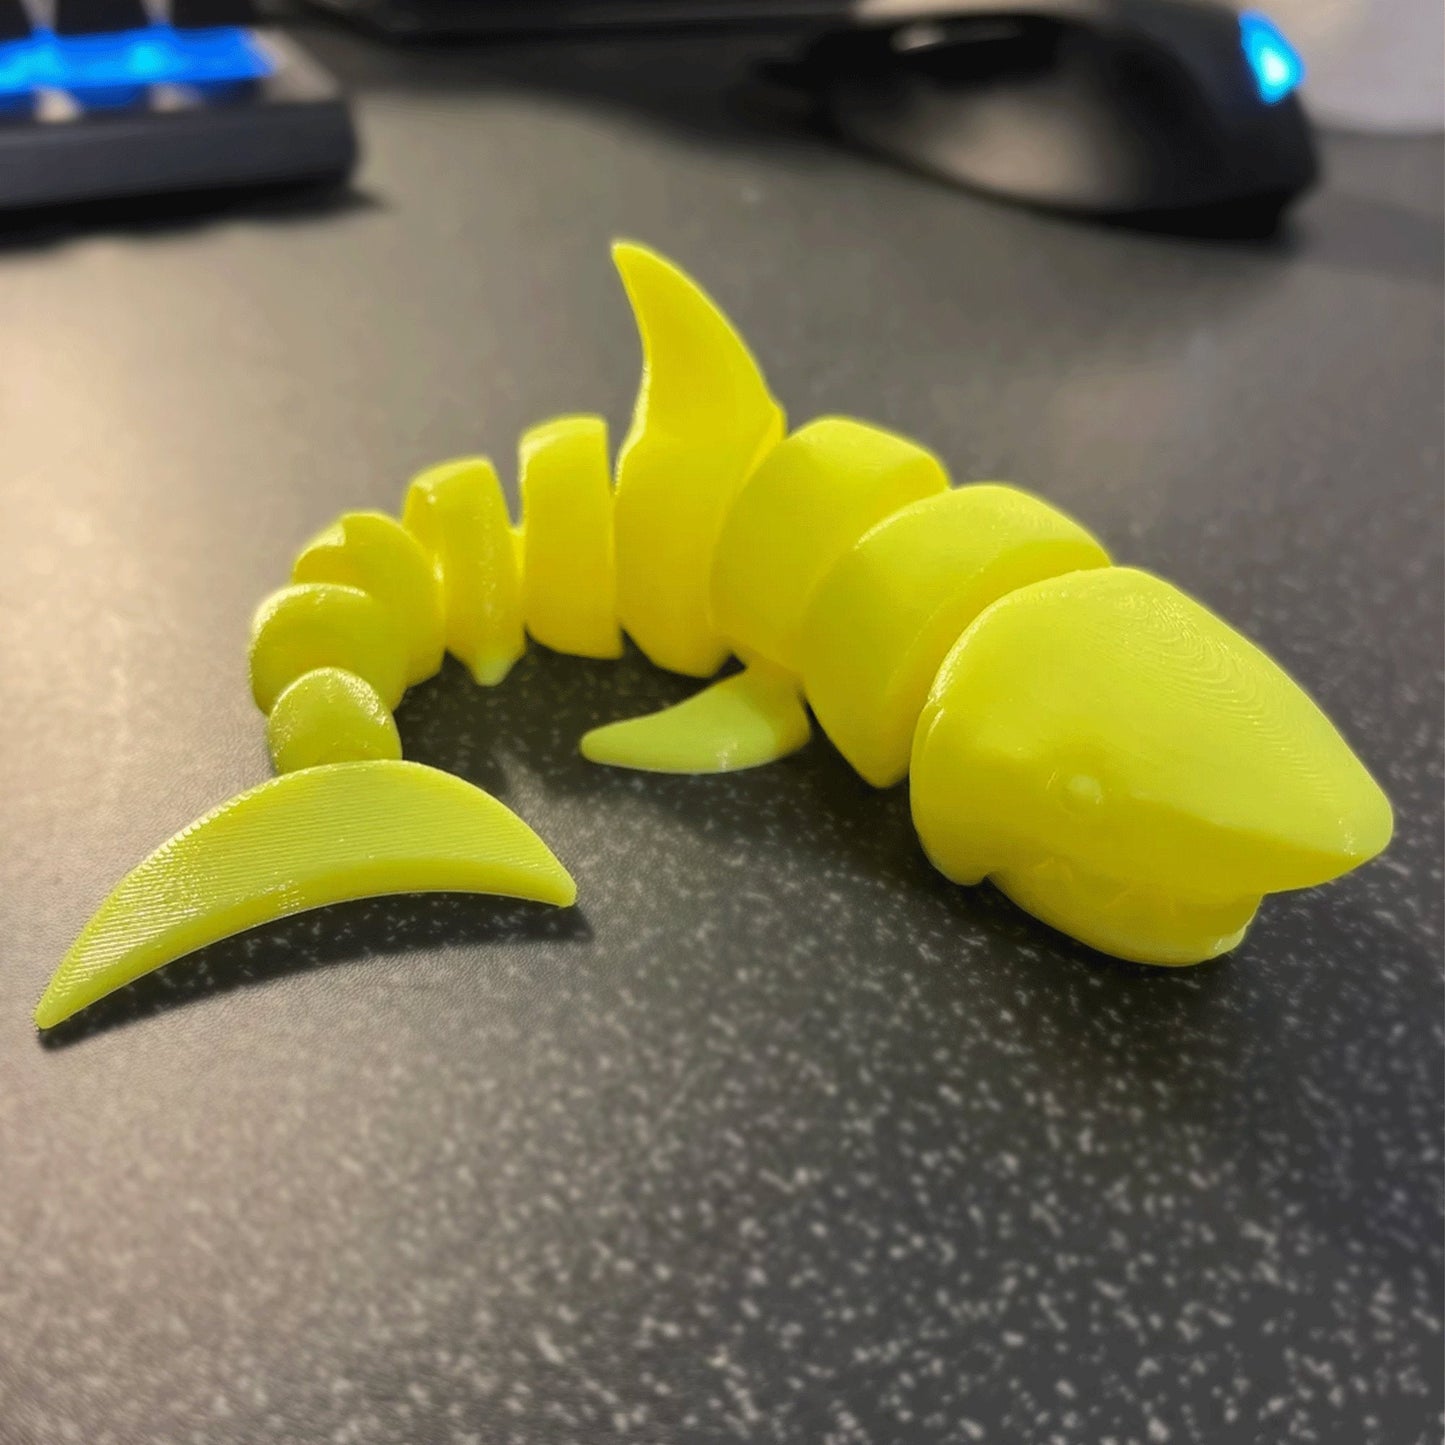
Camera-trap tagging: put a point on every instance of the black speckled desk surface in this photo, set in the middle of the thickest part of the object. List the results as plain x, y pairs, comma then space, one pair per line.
777, 1136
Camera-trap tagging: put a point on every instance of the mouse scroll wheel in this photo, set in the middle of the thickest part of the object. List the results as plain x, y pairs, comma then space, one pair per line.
925, 35
974, 48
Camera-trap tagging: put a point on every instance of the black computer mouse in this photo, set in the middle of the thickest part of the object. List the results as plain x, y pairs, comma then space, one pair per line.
1108, 107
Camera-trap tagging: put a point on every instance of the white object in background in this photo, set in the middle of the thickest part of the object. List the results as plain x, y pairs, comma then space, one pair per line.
1376, 65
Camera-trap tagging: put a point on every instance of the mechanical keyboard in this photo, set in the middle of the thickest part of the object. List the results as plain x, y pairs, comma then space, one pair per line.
101, 99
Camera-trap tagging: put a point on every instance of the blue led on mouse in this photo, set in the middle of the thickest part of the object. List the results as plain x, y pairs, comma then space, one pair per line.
1277, 66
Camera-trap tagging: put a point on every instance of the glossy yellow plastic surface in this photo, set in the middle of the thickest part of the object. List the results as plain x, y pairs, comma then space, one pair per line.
569, 579
329, 716
375, 553
702, 420
322, 624
754, 717
323, 835
807, 503
458, 513
1133, 771
882, 621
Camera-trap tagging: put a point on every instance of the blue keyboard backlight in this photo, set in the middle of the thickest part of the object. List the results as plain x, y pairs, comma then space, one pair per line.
156, 55
1277, 66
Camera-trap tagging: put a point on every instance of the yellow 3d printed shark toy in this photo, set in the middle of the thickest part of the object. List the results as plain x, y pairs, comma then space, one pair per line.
1118, 760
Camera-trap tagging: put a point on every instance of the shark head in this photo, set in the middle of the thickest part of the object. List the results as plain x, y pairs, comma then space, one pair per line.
1131, 770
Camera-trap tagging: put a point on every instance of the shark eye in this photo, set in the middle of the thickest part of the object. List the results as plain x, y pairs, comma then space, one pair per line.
1081, 791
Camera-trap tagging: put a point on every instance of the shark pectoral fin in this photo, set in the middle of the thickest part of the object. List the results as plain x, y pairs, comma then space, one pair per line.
321, 835
754, 717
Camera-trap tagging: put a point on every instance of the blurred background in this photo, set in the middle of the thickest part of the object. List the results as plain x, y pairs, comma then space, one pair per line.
1094, 106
